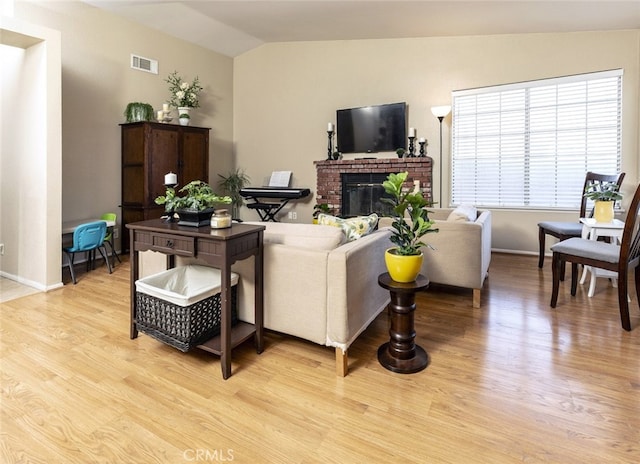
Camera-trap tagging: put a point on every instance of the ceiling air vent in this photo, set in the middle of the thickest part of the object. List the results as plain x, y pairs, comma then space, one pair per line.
144, 64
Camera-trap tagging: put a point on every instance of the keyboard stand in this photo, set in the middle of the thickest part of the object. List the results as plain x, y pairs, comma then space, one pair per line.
267, 211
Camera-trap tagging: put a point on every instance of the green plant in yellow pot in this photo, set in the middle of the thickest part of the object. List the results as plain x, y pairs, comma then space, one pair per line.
410, 223
604, 195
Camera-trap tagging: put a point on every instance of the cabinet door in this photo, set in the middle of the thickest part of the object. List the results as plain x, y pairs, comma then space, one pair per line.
195, 155
163, 155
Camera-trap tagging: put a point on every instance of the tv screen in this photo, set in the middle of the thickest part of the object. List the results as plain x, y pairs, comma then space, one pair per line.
372, 129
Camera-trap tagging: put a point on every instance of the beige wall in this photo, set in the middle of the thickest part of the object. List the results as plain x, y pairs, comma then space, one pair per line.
285, 93
97, 84
30, 153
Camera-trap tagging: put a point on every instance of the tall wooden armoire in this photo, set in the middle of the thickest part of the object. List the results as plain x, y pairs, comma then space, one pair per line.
149, 151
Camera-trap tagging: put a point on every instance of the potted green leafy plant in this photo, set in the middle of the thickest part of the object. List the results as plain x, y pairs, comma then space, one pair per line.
406, 234
231, 184
604, 195
320, 208
137, 111
195, 207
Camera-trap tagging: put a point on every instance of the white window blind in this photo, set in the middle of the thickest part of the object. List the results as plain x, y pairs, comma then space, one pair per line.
529, 145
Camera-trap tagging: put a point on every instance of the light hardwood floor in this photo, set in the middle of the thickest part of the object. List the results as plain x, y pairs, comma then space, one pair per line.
514, 381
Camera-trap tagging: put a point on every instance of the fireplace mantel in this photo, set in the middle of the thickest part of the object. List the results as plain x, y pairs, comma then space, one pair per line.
329, 184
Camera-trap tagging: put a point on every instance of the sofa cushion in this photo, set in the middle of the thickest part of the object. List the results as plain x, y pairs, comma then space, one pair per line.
463, 213
353, 228
307, 236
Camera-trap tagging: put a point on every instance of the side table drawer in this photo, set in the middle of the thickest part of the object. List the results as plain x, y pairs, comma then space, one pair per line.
171, 244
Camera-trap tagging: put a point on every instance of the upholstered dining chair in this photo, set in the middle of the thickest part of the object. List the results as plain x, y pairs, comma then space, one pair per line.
108, 239
565, 230
603, 255
87, 238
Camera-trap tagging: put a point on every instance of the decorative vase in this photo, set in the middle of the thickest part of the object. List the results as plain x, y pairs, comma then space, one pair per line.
403, 268
184, 110
194, 218
603, 211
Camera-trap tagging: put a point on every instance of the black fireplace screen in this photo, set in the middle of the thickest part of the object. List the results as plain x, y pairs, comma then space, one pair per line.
361, 193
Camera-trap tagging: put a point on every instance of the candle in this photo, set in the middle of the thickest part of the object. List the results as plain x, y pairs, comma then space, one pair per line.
412, 132
330, 127
170, 179
160, 115
165, 107
421, 140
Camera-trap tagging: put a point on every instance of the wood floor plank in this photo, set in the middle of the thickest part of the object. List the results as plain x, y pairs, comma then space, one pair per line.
512, 381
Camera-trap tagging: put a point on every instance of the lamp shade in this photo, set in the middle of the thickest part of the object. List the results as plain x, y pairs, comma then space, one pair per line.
440, 111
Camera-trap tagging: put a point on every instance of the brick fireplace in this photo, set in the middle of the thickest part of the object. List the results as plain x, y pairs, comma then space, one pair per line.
329, 176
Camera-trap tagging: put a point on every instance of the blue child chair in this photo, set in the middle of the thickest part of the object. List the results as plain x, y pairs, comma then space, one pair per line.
86, 238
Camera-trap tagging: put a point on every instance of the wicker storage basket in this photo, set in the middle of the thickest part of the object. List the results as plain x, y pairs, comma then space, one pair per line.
181, 306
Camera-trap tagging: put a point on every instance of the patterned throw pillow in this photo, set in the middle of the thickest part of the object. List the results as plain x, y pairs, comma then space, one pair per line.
353, 228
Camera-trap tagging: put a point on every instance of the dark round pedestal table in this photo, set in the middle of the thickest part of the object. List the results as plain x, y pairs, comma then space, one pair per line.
401, 354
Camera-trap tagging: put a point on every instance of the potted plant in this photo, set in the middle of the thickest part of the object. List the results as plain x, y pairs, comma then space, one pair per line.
320, 208
231, 184
184, 119
184, 95
404, 261
195, 207
136, 111
604, 195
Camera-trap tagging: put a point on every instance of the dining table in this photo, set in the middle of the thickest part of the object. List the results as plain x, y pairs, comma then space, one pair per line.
69, 227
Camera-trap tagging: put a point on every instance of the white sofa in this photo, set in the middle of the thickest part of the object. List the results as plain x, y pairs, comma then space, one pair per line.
317, 287
462, 250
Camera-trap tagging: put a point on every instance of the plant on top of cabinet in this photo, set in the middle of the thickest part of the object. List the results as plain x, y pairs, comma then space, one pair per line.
137, 111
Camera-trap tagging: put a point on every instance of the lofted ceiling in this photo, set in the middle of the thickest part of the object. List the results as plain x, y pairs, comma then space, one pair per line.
234, 27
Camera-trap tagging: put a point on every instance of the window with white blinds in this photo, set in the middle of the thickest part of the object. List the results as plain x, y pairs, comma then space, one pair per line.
529, 145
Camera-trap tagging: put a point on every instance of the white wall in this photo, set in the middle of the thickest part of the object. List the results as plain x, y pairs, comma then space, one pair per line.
30, 157
285, 93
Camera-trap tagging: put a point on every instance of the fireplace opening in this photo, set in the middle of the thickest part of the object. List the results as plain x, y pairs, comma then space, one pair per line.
361, 193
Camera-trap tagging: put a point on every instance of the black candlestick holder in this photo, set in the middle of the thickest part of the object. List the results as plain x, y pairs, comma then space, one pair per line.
412, 148
423, 150
329, 144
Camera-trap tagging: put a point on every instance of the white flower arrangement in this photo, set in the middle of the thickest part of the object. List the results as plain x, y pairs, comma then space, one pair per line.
183, 94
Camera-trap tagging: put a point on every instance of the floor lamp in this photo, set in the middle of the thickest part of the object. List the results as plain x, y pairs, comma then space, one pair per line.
440, 112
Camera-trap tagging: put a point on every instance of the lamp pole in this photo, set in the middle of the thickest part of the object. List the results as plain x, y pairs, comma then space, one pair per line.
440, 112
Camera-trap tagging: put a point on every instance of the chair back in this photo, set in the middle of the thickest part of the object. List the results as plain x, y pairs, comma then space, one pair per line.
89, 236
593, 178
109, 217
630, 246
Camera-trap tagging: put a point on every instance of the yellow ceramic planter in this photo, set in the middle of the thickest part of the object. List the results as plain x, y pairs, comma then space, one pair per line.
603, 211
403, 268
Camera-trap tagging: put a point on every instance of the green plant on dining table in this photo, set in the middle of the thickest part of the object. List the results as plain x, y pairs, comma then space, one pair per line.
407, 235
198, 197
603, 191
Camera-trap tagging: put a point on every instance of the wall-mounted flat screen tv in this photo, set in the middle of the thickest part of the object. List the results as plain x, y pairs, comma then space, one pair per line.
372, 129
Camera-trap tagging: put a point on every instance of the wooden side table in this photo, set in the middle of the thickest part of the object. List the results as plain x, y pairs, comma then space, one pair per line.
219, 248
401, 354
